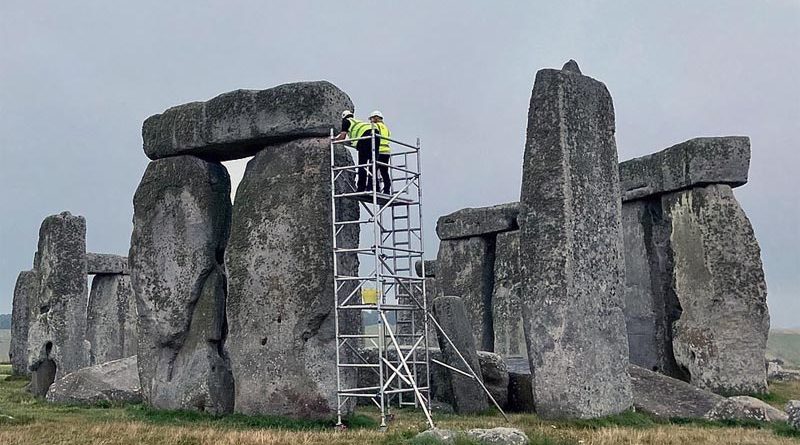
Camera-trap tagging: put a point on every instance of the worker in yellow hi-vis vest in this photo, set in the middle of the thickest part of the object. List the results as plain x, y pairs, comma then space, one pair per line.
384, 151
353, 128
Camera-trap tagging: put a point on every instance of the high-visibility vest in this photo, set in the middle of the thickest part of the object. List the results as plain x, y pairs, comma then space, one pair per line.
384, 130
357, 129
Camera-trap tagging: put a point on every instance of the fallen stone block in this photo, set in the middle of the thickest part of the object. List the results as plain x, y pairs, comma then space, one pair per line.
721, 335
25, 291
57, 314
181, 221
437, 435
238, 124
498, 436
465, 267
466, 395
571, 249
104, 263
111, 319
745, 408
280, 307
793, 413
116, 381
668, 398
495, 376
466, 223
696, 162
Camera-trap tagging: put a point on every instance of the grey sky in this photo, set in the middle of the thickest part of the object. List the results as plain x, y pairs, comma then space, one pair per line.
78, 78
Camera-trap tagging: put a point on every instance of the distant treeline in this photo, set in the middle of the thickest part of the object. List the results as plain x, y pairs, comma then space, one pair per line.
5, 321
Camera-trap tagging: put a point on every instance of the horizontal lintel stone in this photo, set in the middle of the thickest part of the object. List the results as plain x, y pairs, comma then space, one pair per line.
105, 263
696, 162
240, 123
479, 221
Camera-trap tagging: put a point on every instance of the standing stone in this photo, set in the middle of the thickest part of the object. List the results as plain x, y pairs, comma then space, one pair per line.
571, 250
57, 315
465, 395
181, 221
280, 311
465, 267
111, 319
509, 338
25, 291
651, 305
721, 336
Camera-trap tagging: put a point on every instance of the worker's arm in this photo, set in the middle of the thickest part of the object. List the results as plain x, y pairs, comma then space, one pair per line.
340, 136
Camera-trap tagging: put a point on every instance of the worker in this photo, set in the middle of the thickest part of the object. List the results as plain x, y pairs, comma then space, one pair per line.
384, 152
353, 128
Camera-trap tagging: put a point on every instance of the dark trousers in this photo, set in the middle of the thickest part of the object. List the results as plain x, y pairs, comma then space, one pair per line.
386, 177
364, 148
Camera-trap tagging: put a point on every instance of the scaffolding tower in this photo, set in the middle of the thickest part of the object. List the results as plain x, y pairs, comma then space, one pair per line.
395, 352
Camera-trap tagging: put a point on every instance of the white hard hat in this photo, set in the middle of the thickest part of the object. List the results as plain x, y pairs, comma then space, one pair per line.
376, 113
346, 113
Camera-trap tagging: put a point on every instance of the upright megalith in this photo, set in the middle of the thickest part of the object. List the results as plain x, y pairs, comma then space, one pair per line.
111, 319
721, 335
509, 339
280, 307
571, 249
57, 314
25, 291
464, 393
181, 221
240, 123
465, 267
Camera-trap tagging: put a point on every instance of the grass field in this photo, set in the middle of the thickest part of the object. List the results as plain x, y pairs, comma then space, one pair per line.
785, 344
28, 421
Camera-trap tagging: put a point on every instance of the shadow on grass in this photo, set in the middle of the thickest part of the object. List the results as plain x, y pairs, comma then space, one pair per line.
241, 421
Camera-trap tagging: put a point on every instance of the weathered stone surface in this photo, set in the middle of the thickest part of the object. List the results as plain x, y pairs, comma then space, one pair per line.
720, 338
181, 219
469, 222
25, 291
430, 268
776, 372
509, 337
495, 376
793, 413
498, 436
745, 408
571, 250
696, 162
651, 305
467, 395
111, 319
465, 267
57, 315
106, 263
280, 308
668, 398
520, 393
437, 435
115, 381
239, 123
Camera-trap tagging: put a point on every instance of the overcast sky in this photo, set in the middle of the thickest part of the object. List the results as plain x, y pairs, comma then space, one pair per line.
78, 78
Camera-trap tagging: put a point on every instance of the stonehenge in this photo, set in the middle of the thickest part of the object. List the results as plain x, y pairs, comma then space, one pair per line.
604, 286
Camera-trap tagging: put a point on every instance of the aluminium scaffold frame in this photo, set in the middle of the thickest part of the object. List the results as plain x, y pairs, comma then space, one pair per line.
398, 353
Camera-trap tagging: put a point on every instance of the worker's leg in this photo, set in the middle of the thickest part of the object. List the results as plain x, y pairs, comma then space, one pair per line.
363, 158
386, 176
